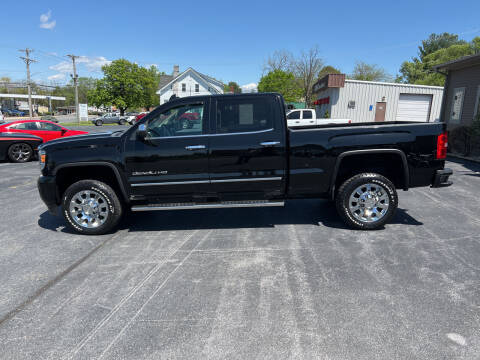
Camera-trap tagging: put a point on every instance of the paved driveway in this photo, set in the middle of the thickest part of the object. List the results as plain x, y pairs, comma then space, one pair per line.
274, 283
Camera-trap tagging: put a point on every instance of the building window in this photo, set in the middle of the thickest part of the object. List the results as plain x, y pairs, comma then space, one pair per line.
197, 88
457, 105
477, 104
184, 87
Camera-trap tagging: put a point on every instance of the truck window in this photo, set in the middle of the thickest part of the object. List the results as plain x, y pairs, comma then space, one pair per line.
307, 114
243, 115
184, 120
294, 115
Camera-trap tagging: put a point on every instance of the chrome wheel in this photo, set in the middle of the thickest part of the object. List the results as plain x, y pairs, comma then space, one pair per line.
369, 202
21, 152
89, 209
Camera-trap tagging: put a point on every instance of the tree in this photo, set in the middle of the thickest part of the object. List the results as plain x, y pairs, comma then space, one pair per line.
150, 78
369, 72
279, 60
436, 42
420, 69
307, 69
232, 86
282, 82
328, 70
125, 85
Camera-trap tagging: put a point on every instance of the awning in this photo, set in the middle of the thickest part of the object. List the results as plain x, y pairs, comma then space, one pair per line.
325, 100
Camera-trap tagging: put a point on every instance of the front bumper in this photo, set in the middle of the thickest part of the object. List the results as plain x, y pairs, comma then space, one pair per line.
441, 178
47, 187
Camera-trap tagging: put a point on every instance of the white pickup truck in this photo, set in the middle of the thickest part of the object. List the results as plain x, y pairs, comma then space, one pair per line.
308, 117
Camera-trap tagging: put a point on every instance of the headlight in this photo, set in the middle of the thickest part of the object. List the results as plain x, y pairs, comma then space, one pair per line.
42, 159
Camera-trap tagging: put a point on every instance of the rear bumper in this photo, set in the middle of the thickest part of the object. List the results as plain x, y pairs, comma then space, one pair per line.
441, 178
47, 188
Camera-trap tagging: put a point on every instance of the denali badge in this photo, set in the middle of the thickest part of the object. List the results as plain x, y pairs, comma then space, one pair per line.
151, 172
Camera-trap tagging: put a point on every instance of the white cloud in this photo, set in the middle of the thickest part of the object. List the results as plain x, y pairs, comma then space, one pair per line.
89, 64
45, 22
57, 77
93, 63
62, 67
248, 88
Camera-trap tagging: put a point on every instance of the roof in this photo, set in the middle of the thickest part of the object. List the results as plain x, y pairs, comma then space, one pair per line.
196, 97
169, 79
25, 96
460, 63
164, 80
394, 84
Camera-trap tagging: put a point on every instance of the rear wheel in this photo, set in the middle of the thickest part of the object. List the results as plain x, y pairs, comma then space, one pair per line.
122, 122
99, 122
20, 152
367, 201
91, 207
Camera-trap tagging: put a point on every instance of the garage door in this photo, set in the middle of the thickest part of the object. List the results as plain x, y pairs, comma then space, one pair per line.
413, 107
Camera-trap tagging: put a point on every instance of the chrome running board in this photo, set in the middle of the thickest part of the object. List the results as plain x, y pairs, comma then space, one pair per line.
223, 204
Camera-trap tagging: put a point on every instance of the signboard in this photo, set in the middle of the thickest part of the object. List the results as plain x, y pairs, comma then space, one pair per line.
83, 112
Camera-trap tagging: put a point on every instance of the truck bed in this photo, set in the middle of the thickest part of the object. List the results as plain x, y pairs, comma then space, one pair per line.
314, 150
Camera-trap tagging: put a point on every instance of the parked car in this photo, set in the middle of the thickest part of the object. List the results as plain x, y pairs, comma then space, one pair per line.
308, 117
130, 117
49, 118
109, 119
18, 148
241, 154
14, 112
44, 129
140, 116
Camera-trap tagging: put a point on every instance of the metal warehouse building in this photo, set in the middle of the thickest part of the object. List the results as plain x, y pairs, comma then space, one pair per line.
366, 101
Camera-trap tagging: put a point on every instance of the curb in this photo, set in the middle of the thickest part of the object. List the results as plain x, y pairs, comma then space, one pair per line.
460, 157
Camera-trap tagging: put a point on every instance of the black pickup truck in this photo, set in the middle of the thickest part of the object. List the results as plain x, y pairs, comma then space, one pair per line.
236, 151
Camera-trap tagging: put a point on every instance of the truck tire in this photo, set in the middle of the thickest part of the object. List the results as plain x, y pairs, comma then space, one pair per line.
20, 153
91, 207
366, 201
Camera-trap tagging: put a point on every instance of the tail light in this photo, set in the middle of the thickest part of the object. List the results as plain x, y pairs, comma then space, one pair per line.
442, 144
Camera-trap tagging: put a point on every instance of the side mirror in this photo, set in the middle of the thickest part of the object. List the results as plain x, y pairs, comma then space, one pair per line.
142, 131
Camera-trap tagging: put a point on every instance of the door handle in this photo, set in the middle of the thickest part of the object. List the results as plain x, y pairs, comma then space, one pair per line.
195, 147
270, 143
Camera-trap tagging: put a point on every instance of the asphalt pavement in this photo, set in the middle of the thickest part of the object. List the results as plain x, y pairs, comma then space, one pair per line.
269, 283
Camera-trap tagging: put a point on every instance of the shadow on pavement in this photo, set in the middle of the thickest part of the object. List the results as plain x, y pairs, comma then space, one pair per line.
298, 212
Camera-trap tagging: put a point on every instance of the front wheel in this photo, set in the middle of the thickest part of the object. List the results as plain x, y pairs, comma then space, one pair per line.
20, 152
122, 122
367, 201
91, 207
99, 122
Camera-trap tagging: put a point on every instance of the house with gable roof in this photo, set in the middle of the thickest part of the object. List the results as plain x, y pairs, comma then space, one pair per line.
188, 83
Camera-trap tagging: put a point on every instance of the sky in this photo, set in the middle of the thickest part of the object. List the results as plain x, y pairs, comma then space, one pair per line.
224, 39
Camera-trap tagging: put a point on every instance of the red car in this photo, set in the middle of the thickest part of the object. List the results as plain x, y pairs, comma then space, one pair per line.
44, 129
140, 116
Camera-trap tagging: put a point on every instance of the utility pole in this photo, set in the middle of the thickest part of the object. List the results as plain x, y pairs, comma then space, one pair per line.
75, 84
28, 61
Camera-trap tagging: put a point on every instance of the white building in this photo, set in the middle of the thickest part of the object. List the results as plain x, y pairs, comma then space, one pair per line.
188, 83
367, 101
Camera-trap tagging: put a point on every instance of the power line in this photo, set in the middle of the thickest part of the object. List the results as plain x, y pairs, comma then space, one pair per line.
28, 61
